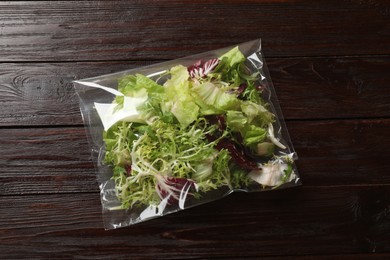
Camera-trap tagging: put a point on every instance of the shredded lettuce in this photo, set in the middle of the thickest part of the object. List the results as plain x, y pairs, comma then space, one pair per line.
166, 150
118, 139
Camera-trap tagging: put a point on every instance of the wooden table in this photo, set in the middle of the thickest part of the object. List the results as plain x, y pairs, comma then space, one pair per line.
330, 64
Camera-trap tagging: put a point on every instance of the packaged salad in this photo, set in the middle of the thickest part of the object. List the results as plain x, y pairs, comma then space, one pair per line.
181, 133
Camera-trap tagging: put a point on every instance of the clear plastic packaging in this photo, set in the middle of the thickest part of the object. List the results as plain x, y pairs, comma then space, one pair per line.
185, 132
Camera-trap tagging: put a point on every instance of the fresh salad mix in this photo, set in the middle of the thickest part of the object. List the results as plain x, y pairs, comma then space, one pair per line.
174, 137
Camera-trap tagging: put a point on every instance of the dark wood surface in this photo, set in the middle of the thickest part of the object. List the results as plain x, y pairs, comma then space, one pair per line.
329, 62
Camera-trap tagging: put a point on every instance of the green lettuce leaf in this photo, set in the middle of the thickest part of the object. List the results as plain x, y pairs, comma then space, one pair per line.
150, 85
257, 113
229, 69
234, 56
178, 99
186, 111
214, 100
138, 85
254, 135
236, 120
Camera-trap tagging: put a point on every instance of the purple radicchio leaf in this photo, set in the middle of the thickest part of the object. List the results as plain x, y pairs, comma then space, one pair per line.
237, 152
218, 120
199, 70
128, 169
175, 190
241, 88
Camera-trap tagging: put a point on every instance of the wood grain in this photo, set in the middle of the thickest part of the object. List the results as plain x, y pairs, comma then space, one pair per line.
351, 152
45, 160
307, 88
339, 87
329, 61
331, 153
280, 223
101, 30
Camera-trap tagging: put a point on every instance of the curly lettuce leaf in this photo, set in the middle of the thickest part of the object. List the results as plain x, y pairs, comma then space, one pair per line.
170, 152
117, 140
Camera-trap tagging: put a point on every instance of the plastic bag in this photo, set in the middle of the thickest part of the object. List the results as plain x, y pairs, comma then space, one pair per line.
181, 133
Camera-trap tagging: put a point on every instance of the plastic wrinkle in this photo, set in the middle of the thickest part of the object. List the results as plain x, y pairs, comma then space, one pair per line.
95, 85
154, 211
